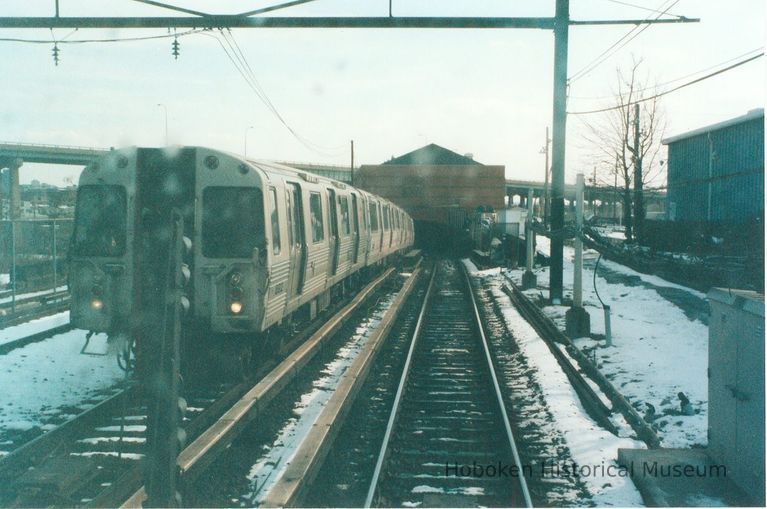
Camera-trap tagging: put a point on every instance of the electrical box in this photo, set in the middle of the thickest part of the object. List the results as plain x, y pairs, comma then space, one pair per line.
736, 387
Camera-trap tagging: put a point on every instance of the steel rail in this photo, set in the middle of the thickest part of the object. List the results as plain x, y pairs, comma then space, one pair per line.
398, 396
302, 469
197, 456
498, 393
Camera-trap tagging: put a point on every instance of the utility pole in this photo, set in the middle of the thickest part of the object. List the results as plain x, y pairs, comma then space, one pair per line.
559, 131
245, 148
165, 109
352, 164
546, 183
638, 197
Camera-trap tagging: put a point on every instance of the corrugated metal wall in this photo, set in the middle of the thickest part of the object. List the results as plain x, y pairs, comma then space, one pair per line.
737, 183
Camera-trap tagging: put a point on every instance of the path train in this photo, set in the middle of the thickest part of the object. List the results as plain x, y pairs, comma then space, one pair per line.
268, 240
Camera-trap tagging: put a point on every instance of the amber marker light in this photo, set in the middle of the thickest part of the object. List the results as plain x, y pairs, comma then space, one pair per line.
235, 307
97, 304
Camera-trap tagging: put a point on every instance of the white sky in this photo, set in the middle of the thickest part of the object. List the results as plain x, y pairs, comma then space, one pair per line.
487, 92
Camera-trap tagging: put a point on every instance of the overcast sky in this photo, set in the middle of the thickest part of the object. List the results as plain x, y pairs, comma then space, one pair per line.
485, 92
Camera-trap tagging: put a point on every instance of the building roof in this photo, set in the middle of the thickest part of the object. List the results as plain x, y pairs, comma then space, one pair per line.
751, 115
432, 154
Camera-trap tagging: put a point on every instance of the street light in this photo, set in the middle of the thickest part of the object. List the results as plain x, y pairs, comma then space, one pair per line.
246, 140
165, 109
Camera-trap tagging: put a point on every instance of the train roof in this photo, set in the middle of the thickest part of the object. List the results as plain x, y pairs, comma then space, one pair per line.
281, 169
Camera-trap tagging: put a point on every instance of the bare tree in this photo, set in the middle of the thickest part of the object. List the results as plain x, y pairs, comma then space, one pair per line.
627, 142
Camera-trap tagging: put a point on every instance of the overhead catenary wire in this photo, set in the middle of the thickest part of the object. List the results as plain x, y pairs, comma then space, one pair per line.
675, 80
644, 8
106, 40
240, 64
337, 150
618, 45
661, 94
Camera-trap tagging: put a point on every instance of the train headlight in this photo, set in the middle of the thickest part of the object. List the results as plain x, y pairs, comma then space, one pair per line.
97, 304
235, 307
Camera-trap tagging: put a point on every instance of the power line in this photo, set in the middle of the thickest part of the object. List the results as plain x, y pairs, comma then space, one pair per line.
619, 44
699, 71
240, 63
644, 8
661, 94
90, 41
246, 66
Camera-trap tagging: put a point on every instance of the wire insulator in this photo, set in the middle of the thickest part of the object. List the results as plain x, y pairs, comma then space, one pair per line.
56, 53
176, 48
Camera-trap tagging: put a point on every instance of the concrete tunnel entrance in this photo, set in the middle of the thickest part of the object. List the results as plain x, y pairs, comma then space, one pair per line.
441, 239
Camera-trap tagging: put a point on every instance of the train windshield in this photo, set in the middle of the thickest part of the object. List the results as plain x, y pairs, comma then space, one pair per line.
100, 221
232, 221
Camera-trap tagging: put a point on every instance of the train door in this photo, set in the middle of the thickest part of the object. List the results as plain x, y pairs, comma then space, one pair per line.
381, 228
334, 242
355, 230
296, 240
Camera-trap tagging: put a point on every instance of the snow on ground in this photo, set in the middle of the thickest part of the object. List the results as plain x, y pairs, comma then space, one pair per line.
658, 350
591, 446
51, 379
4, 279
33, 327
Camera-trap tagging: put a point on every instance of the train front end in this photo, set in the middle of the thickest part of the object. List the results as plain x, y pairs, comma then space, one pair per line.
220, 198
101, 261
231, 260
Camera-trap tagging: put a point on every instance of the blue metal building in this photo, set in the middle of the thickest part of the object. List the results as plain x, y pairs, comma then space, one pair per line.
716, 173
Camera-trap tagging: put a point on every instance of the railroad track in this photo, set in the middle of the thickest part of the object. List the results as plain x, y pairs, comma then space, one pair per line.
34, 338
31, 308
94, 459
213, 443
448, 418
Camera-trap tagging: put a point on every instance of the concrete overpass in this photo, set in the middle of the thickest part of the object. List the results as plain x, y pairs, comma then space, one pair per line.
602, 201
14, 155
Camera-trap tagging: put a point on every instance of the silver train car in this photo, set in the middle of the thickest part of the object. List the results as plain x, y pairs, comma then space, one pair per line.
268, 241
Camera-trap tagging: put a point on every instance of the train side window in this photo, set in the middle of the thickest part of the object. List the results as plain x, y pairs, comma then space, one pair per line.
386, 217
355, 214
373, 217
343, 201
275, 221
315, 210
295, 216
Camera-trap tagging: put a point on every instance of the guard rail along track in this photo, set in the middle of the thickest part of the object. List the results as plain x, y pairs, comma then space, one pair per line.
198, 456
448, 412
593, 404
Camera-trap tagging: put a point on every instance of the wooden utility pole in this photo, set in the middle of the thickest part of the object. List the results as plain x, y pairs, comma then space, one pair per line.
638, 192
352, 163
561, 29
